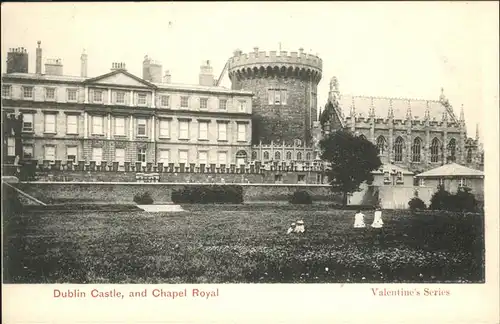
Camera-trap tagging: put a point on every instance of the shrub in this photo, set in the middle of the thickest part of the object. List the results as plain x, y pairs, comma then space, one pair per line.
416, 204
465, 200
441, 200
301, 197
143, 198
212, 194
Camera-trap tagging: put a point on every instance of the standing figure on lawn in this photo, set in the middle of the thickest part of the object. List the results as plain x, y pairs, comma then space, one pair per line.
359, 220
291, 229
377, 220
300, 227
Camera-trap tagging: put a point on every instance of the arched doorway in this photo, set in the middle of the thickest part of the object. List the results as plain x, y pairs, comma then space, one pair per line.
241, 158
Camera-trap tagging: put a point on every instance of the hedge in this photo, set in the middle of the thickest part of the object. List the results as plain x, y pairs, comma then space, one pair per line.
213, 194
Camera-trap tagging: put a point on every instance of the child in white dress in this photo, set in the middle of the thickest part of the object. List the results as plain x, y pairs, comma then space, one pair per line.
291, 229
300, 227
359, 220
377, 220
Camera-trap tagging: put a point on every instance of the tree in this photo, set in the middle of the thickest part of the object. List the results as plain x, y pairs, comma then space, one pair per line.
352, 159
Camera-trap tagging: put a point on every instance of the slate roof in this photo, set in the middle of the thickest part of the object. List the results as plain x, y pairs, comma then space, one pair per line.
452, 169
363, 104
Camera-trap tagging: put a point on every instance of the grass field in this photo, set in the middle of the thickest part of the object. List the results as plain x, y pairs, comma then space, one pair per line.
240, 244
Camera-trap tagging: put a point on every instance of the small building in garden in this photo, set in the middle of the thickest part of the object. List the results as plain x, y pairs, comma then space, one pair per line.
452, 177
392, 187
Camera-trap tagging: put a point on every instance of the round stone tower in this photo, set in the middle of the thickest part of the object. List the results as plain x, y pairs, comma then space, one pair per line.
285, 87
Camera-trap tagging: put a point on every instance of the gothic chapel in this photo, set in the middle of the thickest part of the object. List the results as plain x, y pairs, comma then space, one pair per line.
414, 134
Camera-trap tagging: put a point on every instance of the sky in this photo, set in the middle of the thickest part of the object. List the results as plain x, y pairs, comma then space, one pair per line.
398, 49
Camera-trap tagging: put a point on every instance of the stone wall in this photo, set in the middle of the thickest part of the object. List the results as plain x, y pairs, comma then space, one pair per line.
123, 193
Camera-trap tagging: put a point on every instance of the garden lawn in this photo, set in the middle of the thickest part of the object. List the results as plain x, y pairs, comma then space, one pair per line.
240, 244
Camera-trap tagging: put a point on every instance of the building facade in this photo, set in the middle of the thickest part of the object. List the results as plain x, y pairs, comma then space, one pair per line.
124, 119
414, 134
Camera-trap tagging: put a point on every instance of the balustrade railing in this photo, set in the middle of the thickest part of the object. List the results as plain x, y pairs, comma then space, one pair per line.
255, 167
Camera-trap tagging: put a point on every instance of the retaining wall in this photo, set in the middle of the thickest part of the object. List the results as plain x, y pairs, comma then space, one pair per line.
123, 193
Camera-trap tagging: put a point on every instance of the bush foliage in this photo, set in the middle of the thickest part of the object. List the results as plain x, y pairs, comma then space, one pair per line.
462, 201
143, 198
301, 197
213, 194
416, 204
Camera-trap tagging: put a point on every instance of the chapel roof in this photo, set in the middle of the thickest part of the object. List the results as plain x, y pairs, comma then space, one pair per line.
400, 107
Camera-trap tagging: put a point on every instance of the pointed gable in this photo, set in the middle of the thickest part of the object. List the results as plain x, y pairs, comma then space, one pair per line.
121, 78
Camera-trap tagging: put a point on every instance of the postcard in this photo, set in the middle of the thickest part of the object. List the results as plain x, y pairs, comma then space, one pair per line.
229, 162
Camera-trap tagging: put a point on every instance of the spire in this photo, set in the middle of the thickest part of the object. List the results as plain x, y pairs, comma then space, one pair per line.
353, 108
408, 111
477, 132
442, 97
427, 111
372, 108
462, 116
334, 89
391, 111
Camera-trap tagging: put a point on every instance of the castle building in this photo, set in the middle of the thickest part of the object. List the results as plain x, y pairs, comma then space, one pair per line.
285, 87
284, 115
120, 119
414, 134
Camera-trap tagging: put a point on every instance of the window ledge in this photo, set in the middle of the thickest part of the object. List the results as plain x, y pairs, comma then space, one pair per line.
72, 133
164, 138
97, 135
184, 139
219, 140
142, 136
50, 133
203, 139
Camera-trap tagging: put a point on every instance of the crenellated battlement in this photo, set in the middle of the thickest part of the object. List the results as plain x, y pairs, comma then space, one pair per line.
274, 58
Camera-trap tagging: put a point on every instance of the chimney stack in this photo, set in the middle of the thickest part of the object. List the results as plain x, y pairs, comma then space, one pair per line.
17, 60
83, 66
54, 67
167, 78
115, 66
206, 75
151, 70
39, 58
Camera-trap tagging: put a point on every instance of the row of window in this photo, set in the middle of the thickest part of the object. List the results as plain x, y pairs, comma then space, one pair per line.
119, 97
416, 149
277, 155
97, 127
49, 154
